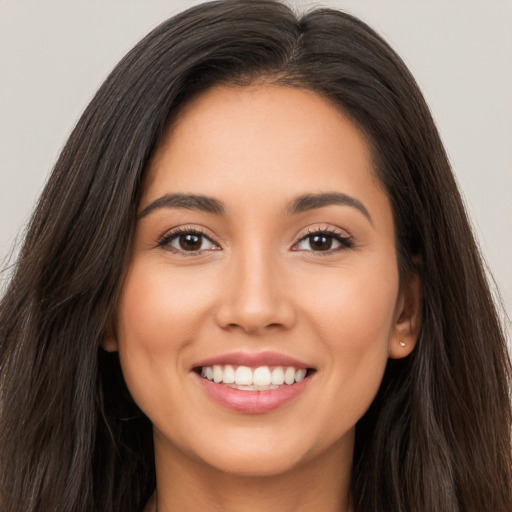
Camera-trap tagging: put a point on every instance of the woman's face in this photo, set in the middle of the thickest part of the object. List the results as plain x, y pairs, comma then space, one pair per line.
264, 250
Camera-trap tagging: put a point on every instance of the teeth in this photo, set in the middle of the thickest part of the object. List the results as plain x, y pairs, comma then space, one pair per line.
229, 375
252, 388
261, 376
289, 375
243, 376
278, 376
218, 374
247, 378
300, 375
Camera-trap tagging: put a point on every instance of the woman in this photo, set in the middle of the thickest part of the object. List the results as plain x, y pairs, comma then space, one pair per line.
250, 284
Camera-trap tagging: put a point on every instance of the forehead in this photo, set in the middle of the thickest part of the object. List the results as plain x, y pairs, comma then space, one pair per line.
267, 141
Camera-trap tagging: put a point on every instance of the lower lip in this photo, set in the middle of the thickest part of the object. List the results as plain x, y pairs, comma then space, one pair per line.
252, 402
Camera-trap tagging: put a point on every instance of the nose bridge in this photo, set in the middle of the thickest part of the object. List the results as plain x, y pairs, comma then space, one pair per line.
256, 295
256, 281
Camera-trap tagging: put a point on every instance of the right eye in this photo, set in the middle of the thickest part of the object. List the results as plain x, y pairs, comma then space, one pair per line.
188, 241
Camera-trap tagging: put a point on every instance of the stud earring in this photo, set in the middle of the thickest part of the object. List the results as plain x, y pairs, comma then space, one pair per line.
402, 343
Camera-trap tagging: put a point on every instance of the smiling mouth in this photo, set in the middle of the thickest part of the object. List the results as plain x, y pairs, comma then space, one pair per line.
261, 378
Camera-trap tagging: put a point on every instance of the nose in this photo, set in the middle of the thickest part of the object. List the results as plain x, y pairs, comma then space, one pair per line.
257, 297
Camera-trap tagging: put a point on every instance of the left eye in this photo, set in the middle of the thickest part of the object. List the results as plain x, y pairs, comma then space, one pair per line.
189, 241
322, 242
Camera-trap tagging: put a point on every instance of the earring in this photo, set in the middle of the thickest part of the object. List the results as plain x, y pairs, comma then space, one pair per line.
402, 343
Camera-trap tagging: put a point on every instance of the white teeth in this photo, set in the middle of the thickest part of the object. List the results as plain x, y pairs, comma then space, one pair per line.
252, 388
261, 376
229, 375
289, 375
217, 373
300, 375
278, 376
243, 376
247, 378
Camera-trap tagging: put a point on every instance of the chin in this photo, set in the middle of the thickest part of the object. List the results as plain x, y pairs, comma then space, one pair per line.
256, 465
257, 455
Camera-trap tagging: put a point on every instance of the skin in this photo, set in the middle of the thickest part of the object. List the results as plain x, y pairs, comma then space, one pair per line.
259, 286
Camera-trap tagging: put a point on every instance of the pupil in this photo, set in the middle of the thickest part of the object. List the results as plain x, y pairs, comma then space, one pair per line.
321, 242
190, 242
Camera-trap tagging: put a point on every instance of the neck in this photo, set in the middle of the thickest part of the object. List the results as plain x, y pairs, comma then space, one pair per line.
322, 483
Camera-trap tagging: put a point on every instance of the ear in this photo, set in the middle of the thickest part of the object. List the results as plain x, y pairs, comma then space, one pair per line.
109, 342
407, 320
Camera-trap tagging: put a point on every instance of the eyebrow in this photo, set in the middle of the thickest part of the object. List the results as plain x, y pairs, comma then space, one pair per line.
313, 201
187, 201
300, 204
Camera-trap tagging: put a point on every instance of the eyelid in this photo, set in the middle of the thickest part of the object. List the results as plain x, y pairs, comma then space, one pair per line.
341, 236
165, 239
345, 239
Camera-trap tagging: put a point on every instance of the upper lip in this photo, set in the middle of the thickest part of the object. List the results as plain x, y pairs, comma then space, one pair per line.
253, 360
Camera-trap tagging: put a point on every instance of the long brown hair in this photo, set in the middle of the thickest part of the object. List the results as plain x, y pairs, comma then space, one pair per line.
437, 436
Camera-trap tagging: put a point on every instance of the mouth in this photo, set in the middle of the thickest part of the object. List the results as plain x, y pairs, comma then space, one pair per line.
253, 383
260, 378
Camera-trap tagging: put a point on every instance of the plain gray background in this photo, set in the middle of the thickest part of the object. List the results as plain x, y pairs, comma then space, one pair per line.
55, 54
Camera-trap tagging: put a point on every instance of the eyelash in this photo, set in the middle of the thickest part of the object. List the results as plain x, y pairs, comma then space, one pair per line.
346, 242
166, 240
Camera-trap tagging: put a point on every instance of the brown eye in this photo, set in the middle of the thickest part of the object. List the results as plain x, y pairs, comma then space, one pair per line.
188, 241
322, 241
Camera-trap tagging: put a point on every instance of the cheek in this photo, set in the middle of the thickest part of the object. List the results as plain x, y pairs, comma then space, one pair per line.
158, 317
356, 305
158, 307
353, 312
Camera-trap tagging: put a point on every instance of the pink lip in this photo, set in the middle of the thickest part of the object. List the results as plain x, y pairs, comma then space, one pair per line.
253, 360
252, 402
